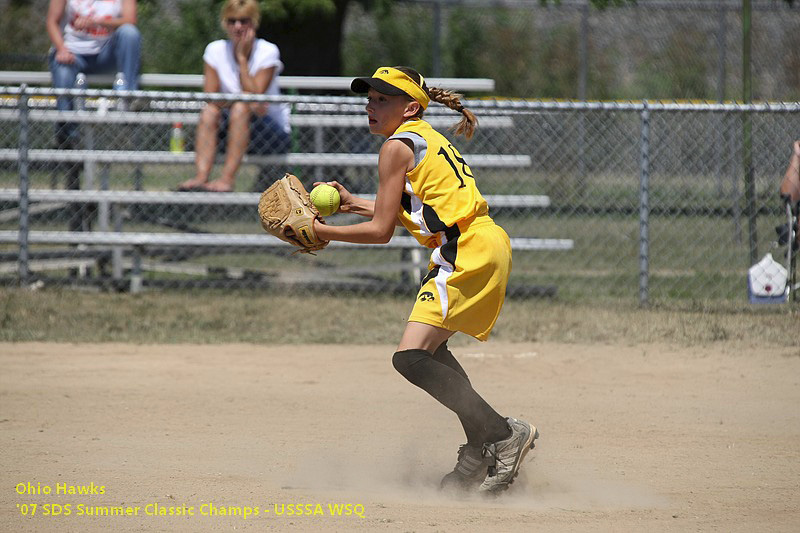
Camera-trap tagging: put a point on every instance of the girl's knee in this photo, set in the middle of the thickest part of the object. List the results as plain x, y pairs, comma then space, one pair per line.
128, 32
210, 113
405, 360
400, 362
63, 75
240, 111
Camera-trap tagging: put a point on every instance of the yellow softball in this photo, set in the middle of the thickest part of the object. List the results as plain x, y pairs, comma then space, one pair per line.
326, 199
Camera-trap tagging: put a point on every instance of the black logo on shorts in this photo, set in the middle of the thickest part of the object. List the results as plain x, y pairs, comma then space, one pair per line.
426, 296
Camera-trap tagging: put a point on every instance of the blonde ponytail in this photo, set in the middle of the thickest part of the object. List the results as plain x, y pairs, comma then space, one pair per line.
468, 123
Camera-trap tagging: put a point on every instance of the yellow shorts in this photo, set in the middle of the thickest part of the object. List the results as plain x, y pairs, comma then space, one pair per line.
466, 283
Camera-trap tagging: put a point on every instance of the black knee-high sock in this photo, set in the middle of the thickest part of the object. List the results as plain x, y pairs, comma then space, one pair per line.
443, 355
453, 390
446, 357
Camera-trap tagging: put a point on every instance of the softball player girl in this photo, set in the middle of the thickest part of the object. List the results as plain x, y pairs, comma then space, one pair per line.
426, 185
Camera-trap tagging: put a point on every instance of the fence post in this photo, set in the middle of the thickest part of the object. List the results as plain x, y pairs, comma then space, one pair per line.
722, 32
437, 38
583, 62
722, 39
24, 215
583, 54
747, 133
644, 209
750, 185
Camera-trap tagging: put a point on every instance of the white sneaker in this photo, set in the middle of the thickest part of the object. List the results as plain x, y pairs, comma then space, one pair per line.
506, 455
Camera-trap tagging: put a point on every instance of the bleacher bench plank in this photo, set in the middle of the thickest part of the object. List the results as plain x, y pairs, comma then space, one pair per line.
169, 117
109, 238
340, 83
213, 198
292, 159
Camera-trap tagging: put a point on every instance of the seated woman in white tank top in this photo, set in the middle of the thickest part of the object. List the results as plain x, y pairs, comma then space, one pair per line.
239, 64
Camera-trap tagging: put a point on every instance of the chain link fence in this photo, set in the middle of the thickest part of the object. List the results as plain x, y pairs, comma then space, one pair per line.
637, 202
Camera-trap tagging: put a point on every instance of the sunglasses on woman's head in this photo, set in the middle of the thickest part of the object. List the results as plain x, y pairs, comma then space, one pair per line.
243, 21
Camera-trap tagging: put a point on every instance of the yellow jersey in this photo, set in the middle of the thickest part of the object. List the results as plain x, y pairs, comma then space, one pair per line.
440, 190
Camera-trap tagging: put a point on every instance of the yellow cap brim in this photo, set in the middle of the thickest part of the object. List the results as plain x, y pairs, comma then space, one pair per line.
391, 81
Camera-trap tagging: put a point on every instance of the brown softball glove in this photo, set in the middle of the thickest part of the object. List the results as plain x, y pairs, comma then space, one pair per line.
286, 212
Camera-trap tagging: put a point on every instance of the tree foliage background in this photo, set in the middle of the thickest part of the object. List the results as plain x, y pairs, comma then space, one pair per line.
530, 50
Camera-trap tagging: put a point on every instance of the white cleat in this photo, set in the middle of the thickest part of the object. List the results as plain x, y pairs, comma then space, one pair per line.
506, 456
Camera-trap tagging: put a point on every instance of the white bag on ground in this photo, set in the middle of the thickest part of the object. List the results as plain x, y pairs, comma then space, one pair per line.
766, 281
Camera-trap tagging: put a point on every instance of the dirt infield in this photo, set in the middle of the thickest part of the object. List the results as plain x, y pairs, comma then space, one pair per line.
633, 438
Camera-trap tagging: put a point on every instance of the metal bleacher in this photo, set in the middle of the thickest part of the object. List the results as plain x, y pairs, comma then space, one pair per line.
169, 109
